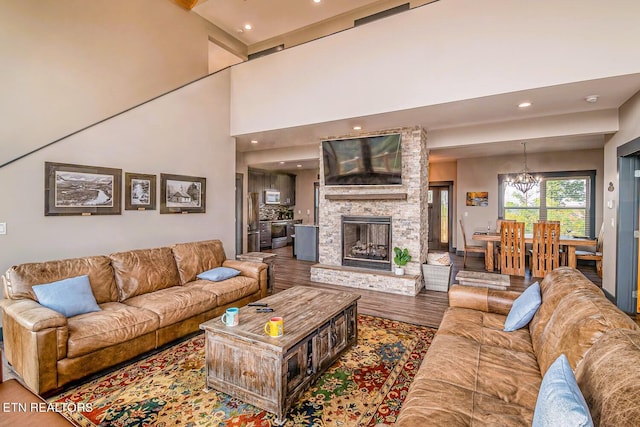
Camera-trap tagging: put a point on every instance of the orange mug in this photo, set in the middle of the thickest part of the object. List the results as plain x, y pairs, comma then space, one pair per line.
274, 327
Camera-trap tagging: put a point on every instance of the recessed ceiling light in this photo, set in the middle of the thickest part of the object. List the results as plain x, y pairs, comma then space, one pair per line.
247, 26
298, 166
524, 104
253, 141
591, 98
357, 128
316, 1
282, 163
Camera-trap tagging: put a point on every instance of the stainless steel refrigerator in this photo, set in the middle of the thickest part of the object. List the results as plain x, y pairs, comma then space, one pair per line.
253, 223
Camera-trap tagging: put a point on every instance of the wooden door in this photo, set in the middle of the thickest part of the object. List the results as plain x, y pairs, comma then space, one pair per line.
439, 216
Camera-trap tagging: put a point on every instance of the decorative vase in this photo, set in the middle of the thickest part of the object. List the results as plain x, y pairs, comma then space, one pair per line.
399, 271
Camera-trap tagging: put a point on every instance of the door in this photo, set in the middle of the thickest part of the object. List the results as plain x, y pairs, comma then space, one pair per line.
440, 214
239, 214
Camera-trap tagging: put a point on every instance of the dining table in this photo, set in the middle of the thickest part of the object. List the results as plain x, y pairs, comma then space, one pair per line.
569, 242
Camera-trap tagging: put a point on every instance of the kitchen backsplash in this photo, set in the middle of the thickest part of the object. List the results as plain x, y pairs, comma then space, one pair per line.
275, 212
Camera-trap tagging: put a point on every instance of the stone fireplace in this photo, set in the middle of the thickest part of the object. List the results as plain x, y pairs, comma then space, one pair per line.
358, 223
365, 242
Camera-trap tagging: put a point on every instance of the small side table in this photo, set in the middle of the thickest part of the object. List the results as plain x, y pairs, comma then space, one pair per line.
267, 258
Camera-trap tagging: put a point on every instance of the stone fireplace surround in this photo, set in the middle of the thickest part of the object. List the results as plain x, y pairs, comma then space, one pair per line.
406, 204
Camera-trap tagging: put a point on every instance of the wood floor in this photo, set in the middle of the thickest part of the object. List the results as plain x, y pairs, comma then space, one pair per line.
427, 308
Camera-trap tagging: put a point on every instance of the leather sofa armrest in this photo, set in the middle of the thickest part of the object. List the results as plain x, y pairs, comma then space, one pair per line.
255, 270
35, 338
31, 315
482, 299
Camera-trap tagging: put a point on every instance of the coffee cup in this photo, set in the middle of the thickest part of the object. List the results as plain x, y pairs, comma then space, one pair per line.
274, 327
231, 317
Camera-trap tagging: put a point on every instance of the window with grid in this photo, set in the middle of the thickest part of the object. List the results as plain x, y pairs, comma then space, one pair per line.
568, 197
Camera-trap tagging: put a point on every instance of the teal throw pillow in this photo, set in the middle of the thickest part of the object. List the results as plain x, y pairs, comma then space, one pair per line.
560, 401
523, 308
70, 296
218, 274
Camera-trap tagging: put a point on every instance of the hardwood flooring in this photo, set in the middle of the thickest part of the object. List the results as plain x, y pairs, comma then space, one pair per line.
426, 308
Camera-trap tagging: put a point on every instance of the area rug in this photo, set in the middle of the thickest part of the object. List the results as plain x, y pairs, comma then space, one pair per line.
365, 387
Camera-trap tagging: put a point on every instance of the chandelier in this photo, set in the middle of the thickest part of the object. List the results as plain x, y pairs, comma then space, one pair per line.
524, 181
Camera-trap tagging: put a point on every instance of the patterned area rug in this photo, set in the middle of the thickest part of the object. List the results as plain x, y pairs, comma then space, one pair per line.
365, 387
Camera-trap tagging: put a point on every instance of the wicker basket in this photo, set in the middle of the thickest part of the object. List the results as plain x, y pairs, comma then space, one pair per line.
436, 277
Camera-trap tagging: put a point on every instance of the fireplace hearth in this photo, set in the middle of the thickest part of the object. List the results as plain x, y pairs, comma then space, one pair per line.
365, 242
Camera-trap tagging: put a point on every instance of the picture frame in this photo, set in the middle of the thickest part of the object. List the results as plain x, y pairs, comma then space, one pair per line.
478, 198
139, 192
182, 194
71, 189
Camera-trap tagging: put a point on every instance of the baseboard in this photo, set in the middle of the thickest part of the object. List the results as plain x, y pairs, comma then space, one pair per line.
609, 296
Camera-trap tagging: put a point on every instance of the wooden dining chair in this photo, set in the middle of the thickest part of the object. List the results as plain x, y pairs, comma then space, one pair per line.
596, 254
512, 259
546, 247
496, 247
469, 248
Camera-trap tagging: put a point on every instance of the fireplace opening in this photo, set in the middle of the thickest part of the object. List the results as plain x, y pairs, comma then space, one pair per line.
365, 242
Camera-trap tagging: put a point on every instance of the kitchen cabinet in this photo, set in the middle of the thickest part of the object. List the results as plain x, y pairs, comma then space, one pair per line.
265, 234
285, 183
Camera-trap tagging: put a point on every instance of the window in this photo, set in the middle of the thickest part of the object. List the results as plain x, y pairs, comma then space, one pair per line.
568, 197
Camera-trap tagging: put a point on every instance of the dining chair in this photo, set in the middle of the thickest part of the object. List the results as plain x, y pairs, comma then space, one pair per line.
596, 254
512, 259
469, 248
563, 249
496, 247
546, 247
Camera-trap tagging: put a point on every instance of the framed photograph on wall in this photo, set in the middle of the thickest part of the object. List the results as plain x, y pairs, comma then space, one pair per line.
81, 190
182, 194
478, 198
139, 192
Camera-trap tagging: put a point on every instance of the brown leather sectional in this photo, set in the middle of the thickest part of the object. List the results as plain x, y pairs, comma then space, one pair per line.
476, 374
148, 298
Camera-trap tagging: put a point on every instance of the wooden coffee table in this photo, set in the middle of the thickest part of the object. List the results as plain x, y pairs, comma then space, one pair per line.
271, 373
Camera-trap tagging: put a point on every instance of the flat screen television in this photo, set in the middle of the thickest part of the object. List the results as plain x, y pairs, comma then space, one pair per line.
370, 160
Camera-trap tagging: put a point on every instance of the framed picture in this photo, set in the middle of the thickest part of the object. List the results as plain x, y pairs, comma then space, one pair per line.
139, 192
182, 194
478, 198
81, 190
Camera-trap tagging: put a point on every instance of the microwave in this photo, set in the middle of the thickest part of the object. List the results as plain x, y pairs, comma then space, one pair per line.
271, 197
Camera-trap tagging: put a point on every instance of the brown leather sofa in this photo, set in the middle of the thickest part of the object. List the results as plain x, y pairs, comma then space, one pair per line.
148, 298
476, 374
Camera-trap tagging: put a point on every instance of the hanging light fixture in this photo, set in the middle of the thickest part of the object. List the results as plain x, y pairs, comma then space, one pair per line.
524, 181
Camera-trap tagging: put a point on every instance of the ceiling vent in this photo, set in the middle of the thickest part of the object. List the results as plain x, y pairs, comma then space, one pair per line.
380, 15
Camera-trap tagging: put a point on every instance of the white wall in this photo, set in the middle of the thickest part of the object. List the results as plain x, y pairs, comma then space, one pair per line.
411, 60
629, 130
67, 64
185, 132
481, 174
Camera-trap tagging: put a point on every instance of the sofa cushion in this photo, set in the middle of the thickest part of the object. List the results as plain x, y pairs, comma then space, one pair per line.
174, 304
229, 290
609, 378
70, 296
19, 279
146, 270
481, 385
579, 321
196, 257
114, 324
555, 286
560, 402
523, 308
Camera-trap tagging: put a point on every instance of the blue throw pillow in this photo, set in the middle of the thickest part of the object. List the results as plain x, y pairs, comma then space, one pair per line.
218, 274
560, 401
523, 308
70, 297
